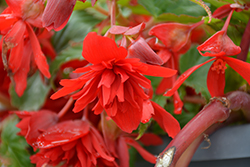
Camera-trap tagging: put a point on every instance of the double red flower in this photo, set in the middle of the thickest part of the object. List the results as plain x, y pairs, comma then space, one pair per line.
112, 79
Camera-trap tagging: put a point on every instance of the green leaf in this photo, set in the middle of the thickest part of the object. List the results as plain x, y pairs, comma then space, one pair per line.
172, 6
142, 129
79, 25
198, 78
13, 148
71, 53
177, 18
34, 95
233, 80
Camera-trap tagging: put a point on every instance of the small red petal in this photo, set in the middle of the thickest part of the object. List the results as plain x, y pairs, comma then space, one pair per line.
240, 67
167, 122
150, 139
123, 153
184, 76
140, 49
147, 111
158, 71
97, 49
135, 30
173, 35
40, 59
215, 82
145, 154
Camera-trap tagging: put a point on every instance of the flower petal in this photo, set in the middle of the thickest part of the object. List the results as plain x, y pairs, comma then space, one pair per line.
184, 76
62, 133
123, 153
128, 120
166, 121
40, 59
140, 49
145, 154
215, 83
57, 12
150, 139
173, 35
218, 45
147, 111
97, 49
40, 121
240, 67
157, 71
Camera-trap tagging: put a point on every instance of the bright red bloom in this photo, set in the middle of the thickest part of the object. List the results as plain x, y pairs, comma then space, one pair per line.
19, 37
76, 143
116, 81
57, 13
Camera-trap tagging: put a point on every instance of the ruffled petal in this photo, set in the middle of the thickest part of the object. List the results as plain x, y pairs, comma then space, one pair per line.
240, 67
215, 82
184, 76
97, 49
166, 121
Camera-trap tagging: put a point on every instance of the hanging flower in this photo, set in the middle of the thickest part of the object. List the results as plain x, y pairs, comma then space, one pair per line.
18, 37
116, 81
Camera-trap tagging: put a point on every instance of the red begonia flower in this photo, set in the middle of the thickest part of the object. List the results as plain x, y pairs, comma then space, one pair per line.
19, 37
34, 123
76, 143
116, 81
57, 13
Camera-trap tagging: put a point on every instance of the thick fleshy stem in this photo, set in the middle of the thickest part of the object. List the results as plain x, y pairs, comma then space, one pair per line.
214, 112
187, 155
66, 107
179, 153
245, 43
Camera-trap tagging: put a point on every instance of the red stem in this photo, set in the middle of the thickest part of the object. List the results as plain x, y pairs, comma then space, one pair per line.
210, 114
113, 12
65, 108
245, 43
227, 21
184, 145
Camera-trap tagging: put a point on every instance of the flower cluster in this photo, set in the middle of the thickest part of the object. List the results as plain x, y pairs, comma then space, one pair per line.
101, 95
